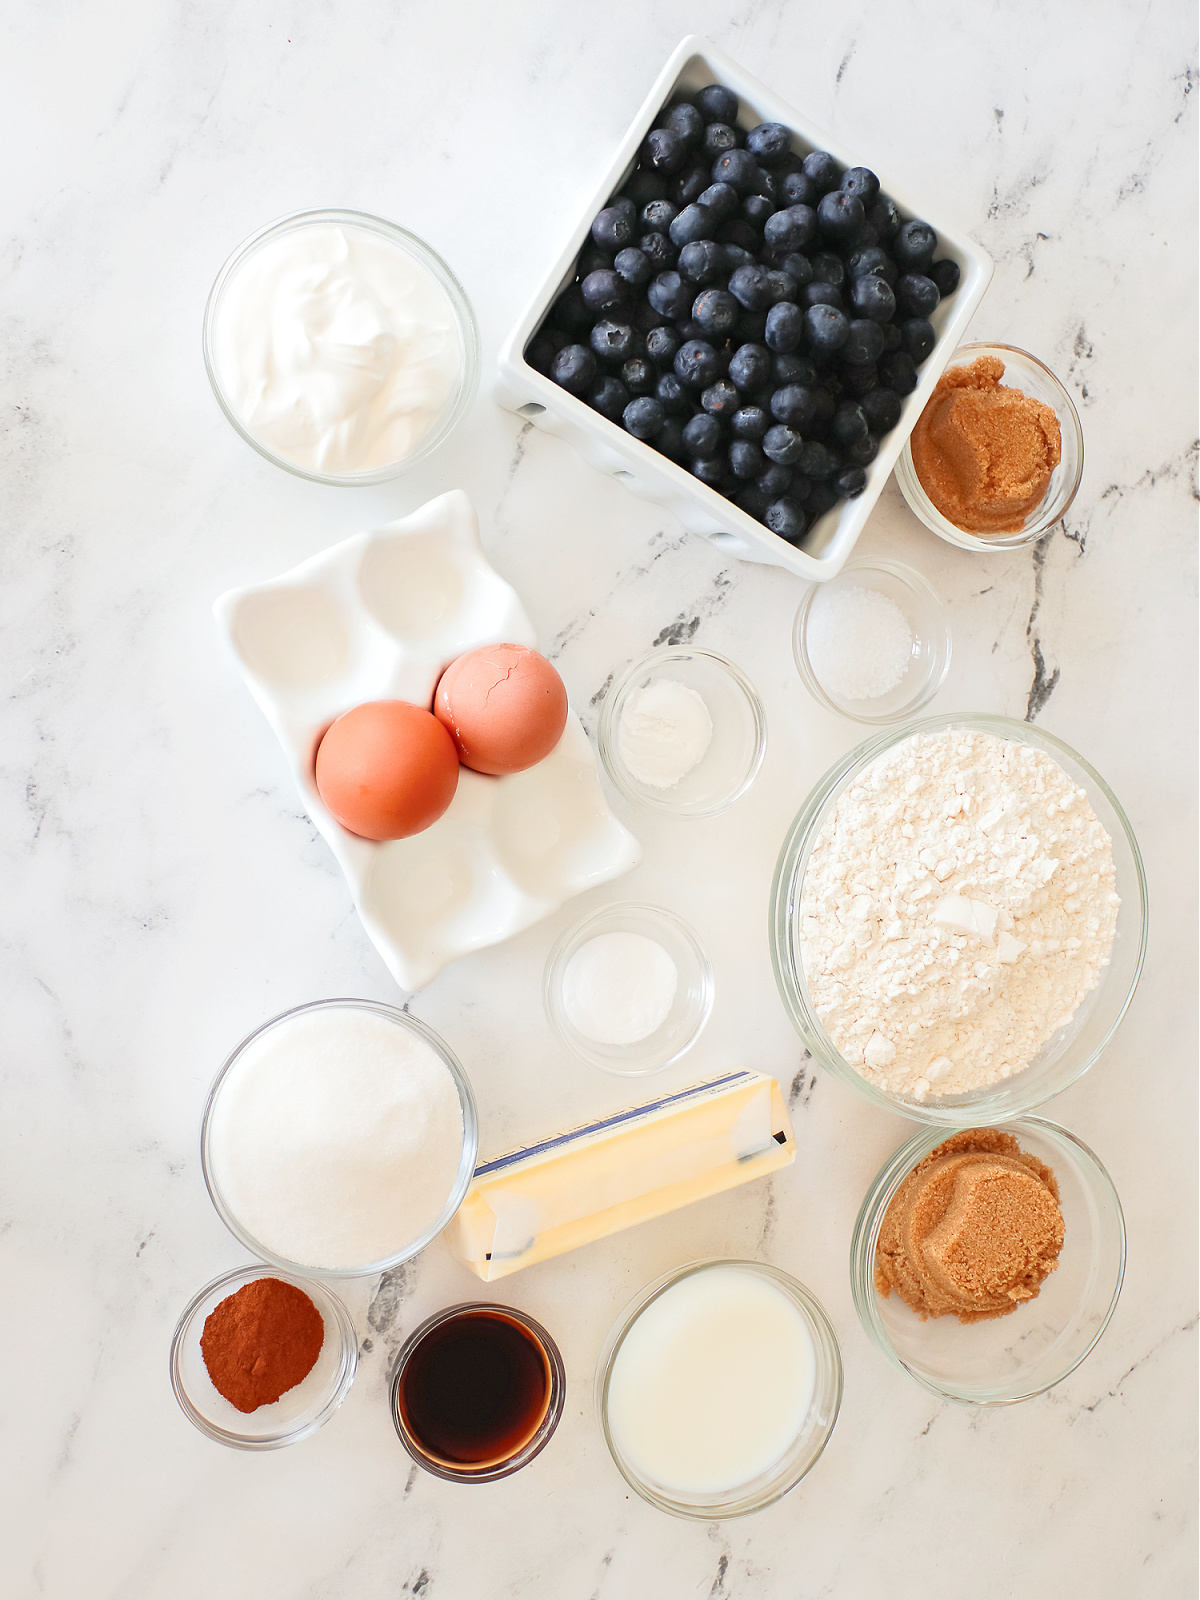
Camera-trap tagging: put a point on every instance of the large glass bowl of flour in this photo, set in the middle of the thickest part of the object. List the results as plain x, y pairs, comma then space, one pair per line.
958, 915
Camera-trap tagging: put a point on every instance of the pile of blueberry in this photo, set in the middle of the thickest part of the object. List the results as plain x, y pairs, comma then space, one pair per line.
755, 315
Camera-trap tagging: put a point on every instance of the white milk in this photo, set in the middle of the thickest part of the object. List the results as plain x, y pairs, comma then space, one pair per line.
712, 1383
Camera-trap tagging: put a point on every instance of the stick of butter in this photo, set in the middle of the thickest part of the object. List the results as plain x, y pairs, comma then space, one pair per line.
565, 1191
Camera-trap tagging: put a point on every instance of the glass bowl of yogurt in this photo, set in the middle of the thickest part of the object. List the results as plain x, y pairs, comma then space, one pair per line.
958, 918
718, 1388
340, 346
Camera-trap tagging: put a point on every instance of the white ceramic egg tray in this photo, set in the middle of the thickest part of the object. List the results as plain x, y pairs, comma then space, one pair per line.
379, 617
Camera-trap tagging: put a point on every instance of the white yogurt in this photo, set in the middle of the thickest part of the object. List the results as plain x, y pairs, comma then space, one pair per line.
335, 348
712, 1383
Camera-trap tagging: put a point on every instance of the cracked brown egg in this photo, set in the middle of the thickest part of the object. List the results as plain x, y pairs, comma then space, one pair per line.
504, 706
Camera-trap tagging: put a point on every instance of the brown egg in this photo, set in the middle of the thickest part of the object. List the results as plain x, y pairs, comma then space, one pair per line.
504, 706
387, 769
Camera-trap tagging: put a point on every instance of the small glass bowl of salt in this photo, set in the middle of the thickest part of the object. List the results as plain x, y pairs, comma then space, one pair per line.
872, 644
629, 988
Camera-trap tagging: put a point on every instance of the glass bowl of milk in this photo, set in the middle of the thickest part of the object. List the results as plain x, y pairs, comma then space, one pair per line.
718, 1388
340, 346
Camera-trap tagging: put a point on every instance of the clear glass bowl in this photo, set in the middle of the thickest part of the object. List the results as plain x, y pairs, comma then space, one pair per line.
461, 394
739, 738
1014, 1357
537, 1440
294, 1415
1073, 1049
690, 1008
1032, 377
466, 1164
805, 1449
926, 618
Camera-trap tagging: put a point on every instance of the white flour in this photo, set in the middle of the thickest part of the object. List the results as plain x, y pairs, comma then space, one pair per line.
957, 907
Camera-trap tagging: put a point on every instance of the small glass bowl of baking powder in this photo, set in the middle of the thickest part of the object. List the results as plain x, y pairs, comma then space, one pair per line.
1032, 377
1076, 1045
1013, 1357
682, 731
872, 644
620, 971
294, 1415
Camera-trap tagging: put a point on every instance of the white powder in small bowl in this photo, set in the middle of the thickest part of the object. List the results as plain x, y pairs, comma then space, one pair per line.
664, 733
336, 1137
618, 988
859, 643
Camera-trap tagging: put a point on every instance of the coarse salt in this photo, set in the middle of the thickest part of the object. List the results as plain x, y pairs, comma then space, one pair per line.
859, 642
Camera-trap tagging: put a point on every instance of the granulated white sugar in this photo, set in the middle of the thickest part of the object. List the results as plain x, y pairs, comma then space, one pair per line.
859, 642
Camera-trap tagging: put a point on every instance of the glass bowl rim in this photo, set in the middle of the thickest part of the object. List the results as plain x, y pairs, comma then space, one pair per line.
915, 580
606, 732
926, 512
829, 1368
413, 245
552, 975
467, 1158
882, 1189
803, 830
316, 1291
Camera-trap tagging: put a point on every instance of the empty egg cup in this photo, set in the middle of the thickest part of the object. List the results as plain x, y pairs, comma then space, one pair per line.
931, 642
739, 738
690, 1008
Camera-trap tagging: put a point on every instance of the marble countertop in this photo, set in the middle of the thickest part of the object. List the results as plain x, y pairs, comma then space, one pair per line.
164, 893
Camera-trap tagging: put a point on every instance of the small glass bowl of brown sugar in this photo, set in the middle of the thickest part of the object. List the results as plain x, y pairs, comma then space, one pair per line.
987, 466
950, 1240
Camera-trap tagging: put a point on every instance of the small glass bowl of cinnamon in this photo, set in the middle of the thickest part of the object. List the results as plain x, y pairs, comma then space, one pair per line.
999, 478
988, 1359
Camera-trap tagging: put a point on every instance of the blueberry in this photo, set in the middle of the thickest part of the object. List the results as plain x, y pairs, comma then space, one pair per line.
702, 261
774, 481
858, 381
721, 399
604, 289
826, 406
702, 436
916, 294
717, 104
716, 311
864, 343
711, 470
592, 259
764, 184
718, 137
664, 151
792, 368
633, 266
738, 231
769, 143
670, 294
643, 418
646, 317
872, 260
751, 286
891, 337
721, 199
820, 166
693, 222
658, 250
840, 216
814, 460
872, 297
793, 229
884, 217
785, 518
914, 246
752, 501
574, 368
750, 422
862, 452
570, 311
899, 372
737, 168
756, 209
882, 409
686, 121
609, 397
822, 294
670, 440
862, 183
795, 405
697, 364
828, 268
826, 329
850, 482
785, 326
750, 367
541, 350
797, 266
661, 345
658, 216
639, 376
798, 189
671, 395
752, 327
783, 285
688, 328
783, 445
823, 498
736, 257
945, 274
689, 185
613, 341
643, 186
849, 424
917, 339
615, 227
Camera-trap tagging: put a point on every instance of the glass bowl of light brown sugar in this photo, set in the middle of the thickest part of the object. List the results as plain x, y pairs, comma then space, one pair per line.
996, 456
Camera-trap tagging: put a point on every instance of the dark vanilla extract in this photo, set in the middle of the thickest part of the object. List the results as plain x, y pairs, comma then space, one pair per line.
474, 1390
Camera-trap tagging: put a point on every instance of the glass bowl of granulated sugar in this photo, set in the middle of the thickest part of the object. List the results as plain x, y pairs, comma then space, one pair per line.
958, 918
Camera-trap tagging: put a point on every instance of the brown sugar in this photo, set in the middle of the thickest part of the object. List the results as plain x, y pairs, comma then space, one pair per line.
984, 454
973, 1231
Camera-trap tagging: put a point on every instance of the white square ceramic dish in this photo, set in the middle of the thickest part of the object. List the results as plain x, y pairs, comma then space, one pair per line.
378, 617
641, 468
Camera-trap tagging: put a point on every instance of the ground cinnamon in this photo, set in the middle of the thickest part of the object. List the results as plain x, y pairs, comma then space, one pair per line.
260, 1342
984, 453
973, 1231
